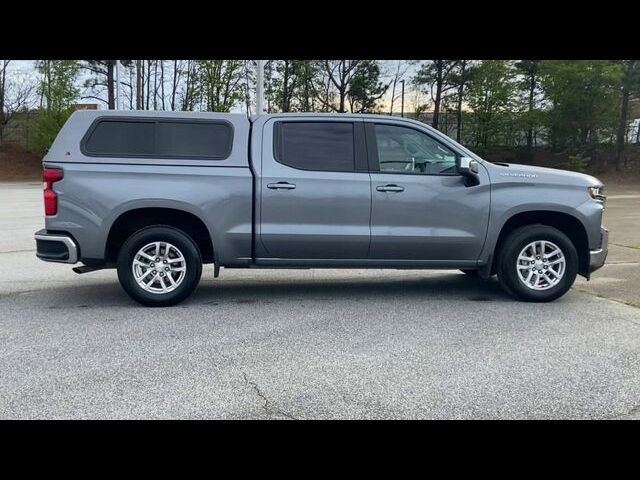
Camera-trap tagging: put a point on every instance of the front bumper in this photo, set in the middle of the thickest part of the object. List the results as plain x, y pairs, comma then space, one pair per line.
55, 247
597, 257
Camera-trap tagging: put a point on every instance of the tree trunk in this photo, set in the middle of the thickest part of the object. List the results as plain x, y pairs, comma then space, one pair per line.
438, 98
162, 84
285, 87
155, 85
3, 83
174, 85
532, 95
139, 105
459, 106
111, 100
622, 127
343, 96
436, 105
148, 81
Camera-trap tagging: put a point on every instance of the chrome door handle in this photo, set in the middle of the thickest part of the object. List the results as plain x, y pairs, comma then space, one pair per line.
390, 188
281, 186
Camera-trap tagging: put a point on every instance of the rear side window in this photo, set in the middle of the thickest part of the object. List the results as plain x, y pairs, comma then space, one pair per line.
122, 138
159, 138
212, 140
315, 145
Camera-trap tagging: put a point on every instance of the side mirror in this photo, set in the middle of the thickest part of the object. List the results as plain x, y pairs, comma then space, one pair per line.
467, 166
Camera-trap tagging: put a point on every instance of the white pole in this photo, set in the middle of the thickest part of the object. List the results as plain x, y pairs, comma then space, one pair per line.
117, 86
260, 87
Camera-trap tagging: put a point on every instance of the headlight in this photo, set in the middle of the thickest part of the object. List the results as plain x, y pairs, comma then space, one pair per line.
597, 193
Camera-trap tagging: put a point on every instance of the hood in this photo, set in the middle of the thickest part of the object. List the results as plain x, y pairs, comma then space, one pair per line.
514, 170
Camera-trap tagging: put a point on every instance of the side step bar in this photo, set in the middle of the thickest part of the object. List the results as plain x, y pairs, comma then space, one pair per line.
85, 269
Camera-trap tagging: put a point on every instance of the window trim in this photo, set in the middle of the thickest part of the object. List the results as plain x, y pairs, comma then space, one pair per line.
360, 163
372, 150
155, 121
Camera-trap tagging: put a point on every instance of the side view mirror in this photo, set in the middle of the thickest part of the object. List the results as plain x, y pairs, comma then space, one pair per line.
467, 166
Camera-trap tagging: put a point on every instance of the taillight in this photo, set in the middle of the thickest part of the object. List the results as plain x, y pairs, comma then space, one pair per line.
49, 177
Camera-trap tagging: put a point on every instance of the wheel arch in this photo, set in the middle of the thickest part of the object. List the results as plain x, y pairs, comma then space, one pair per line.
568, 224
134, 219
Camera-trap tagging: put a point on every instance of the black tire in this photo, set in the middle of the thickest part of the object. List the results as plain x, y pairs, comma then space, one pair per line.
508, 259
159, 233
470, 273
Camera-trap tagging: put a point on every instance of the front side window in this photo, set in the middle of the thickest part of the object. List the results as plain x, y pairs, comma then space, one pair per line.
322, 146
405, 150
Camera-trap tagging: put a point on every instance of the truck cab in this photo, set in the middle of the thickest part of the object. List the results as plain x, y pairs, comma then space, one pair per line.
158, 194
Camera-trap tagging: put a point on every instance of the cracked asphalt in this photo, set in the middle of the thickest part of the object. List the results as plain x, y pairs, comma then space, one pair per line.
315, 344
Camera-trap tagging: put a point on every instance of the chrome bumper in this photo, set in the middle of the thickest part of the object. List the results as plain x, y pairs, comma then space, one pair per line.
55, 247
597, 257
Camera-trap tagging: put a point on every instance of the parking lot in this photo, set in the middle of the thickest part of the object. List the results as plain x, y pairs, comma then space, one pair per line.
306, 344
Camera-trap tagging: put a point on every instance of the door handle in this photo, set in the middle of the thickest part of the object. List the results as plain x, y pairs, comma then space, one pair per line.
390, 188
281, 186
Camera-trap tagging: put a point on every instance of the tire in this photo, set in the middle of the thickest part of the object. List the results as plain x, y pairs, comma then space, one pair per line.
141, 247
559, 270
471, 273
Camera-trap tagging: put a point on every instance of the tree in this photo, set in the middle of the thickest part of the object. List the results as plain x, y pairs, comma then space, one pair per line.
338, 84
219, 84
101, 78
459, 79
336, 74
16, 94
530, 69
285, 83
308, 72
584, 99
57, 86
629, 86
400, 70
58, 90
365, 88
434, 76
491, 97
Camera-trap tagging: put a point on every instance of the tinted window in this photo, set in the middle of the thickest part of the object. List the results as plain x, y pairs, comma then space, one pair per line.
404, 150
122, 138
194, 139
160, 138
315, 145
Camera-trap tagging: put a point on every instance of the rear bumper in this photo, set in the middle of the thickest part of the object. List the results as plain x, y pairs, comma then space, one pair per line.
597, 257
55, 247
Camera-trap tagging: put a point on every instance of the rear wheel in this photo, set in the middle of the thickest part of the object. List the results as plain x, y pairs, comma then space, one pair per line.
159, 266
537, 263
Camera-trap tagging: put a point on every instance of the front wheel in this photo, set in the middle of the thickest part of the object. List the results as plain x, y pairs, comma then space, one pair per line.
537, 263
159, 266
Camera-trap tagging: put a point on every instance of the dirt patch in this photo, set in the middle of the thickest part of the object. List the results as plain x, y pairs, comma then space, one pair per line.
18, 163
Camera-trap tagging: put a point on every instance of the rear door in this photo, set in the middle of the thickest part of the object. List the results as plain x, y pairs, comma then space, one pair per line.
421, 207
315, 189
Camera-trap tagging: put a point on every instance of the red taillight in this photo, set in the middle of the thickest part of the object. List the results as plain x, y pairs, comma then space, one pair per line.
49, 177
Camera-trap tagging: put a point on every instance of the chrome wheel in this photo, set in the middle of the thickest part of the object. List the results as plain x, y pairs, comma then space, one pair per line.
159, 267
541, 265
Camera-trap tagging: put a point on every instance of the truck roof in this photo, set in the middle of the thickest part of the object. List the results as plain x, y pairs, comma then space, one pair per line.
185, 114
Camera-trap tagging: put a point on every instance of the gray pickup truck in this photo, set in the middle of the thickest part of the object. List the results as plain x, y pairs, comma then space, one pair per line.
158, 194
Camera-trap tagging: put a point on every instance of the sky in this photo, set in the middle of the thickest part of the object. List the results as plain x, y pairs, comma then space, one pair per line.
26, 69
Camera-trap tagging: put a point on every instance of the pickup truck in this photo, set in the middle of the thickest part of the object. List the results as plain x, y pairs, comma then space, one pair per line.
158, 194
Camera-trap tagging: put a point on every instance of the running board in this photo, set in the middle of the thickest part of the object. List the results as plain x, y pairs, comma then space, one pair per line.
85, 269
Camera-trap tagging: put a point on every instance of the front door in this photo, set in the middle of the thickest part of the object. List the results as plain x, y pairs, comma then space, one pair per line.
421, 208
315, 190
